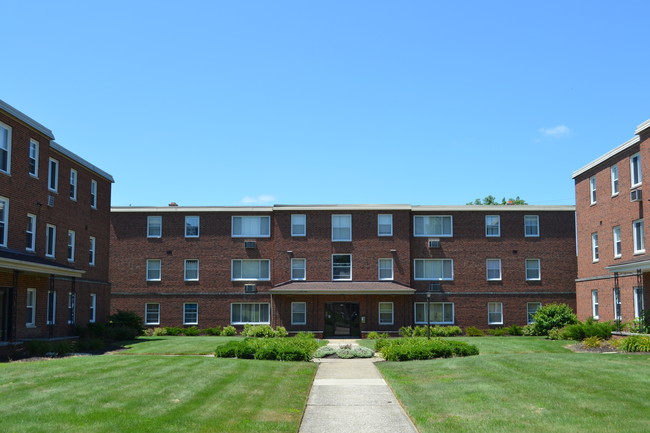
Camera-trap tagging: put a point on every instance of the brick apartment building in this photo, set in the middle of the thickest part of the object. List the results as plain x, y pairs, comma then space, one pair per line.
613, 266
342, 269
54, 232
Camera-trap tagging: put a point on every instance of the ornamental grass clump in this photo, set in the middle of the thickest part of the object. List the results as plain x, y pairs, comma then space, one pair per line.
635, 343
408, 349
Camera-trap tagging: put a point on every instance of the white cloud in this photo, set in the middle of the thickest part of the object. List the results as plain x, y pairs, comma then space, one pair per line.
555, 132
260, 199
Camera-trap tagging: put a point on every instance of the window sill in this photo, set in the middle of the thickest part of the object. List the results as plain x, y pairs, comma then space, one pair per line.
30, 326
636, 253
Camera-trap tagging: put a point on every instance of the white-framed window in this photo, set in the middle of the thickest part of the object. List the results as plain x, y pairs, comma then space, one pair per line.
251, 226
298, 313
71, 244
342, 267
592, 189
93, 194
616, 236
533, 271
493, 267
639, 239
298, 225
91, 251
152, 314
492, 225
385, 269
433, 225
53, 175
594, 247
30, 233
51, 307
154, 226
617, 303
594, 303
4, 221
251, 270
191, 270
33, 157
531, 309
440, 313
154, 268
386, 313
190, 313
298, 269
50, 240
252, 313
72, 306
385, 224
92, 316
635, 170
614, 176
638, 302
434, 269
5, 148
30, 304
341, 228
531, 225
192, 226
495, 313
73, 184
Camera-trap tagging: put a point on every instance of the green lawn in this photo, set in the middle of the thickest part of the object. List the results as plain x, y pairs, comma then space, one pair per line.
175, 345
524, 384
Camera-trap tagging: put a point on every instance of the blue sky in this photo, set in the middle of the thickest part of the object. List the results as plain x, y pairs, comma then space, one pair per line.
298, 102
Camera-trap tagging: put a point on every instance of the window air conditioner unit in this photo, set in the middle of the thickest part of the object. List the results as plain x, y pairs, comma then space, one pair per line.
50, 200
636, 195
435, 287
250, 288
434, 243
250, 244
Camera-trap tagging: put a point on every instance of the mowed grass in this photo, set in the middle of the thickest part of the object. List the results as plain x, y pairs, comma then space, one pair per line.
167, 345
142, 394
524, 384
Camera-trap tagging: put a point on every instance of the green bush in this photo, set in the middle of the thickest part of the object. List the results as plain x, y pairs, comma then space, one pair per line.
472, 331
435, 331
515, 330
641, 325
227, 350
381, 343
50, 348
91, 344
264, 331
406, 331
127, 319
497, 332
173, 331
555, 334
590, 328
216, 331
635, 343
120, 333
229, 331
373, 335
157, 332
304, 335
192, 331
357, 352
407, 349
282, 349
592, 342
324, 351
553, 316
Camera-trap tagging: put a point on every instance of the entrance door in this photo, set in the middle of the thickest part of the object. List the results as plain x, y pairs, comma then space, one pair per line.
4, 314
342, 319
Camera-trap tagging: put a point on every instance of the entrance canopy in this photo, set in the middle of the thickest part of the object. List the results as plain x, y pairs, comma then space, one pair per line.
641, 263
342, 288
14, 260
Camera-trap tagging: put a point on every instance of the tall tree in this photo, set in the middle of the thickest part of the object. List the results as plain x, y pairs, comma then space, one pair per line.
492, 200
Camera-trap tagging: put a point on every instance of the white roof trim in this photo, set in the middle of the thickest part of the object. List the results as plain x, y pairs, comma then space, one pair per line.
278, 208
645, 125
25, 118
606, 156
21, 265
62, 150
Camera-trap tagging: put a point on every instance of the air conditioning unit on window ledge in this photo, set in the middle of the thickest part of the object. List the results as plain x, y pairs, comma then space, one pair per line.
636, 195
50, 200
435, 287
250, 288
434, 243
250, 244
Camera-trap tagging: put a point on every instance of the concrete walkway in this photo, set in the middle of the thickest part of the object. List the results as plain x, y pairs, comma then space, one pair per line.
349, 395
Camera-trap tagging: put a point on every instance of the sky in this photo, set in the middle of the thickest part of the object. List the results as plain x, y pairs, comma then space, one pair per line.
228, 103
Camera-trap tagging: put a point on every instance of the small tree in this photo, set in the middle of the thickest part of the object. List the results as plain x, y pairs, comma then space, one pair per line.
492, 200
553, 316
126, 319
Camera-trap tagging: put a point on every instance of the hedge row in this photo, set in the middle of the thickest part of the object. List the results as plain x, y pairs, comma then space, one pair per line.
280, 349
408, 349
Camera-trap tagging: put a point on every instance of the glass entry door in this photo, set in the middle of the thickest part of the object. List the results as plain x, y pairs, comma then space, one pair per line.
342, 319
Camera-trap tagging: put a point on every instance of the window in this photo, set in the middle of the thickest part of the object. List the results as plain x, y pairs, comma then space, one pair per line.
639, 241
434, 269
492, 225
531, 309
153, 269
191, 270
255, 314
30, 304
191, 314
616, 234
298, 313
251, 226
93, 308
341, 228
432, 225
533, 270
93, 194
4, 220
342, 267
385, 269
531, 225
298, 269
72, 301
614, 176
30, 233
5, 148
152, 314
617, 303
594, 247
51, 307
33, 158
594, 303
385, 313
251, 269
638, 302
50, 240
192, 224
298, 225
495, 313
384, 225
91, 251
53, 175
493, 269
635, 170
73, 184
154, 226
439, 312
592, 189
71, 242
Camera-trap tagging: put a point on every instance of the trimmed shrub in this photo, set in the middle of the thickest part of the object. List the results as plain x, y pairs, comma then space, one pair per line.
304, 335
635, 343
381, 343
324, 351
173, 331
229, 331
228, 350
553, 316
515, 330
590, 328
192, 331
472, 331
497, 332
406, 331
281, 331
407, 349
127, 319
282, 349
158, 332
357, 352
120, 333
264, 331
216, 331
